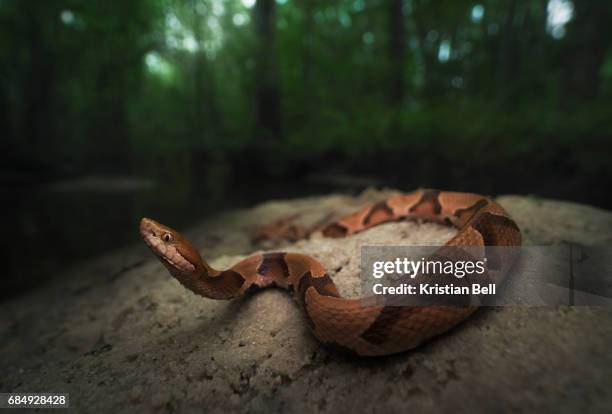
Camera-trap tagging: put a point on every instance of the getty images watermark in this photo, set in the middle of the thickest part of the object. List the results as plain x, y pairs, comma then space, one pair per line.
477, 276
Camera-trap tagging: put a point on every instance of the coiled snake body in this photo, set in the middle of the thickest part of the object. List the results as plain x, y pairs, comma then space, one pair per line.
348, 323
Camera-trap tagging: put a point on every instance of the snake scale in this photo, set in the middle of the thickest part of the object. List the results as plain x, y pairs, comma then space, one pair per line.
350, 324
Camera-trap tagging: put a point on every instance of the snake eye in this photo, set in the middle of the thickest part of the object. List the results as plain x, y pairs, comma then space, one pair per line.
167, 237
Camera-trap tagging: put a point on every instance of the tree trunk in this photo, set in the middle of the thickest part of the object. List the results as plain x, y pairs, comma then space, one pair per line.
509, 58
397, 45
108, 131
307, 40
39, 83
425, 59
206, 113
588, 37
5, 125
267, 99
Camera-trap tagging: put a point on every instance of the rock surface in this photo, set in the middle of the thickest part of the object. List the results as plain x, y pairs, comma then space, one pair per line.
120, 335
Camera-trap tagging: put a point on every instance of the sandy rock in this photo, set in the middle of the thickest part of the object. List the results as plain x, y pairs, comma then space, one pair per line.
120, 335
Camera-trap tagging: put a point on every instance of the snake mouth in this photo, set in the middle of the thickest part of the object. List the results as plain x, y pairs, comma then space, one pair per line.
152, 233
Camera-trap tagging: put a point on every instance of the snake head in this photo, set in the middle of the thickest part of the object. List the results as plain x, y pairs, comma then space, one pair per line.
174, 251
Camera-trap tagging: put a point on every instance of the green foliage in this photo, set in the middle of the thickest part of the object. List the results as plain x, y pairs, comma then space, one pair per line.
93, 81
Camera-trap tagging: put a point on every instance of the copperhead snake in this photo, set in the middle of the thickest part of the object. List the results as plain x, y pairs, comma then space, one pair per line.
348, 323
